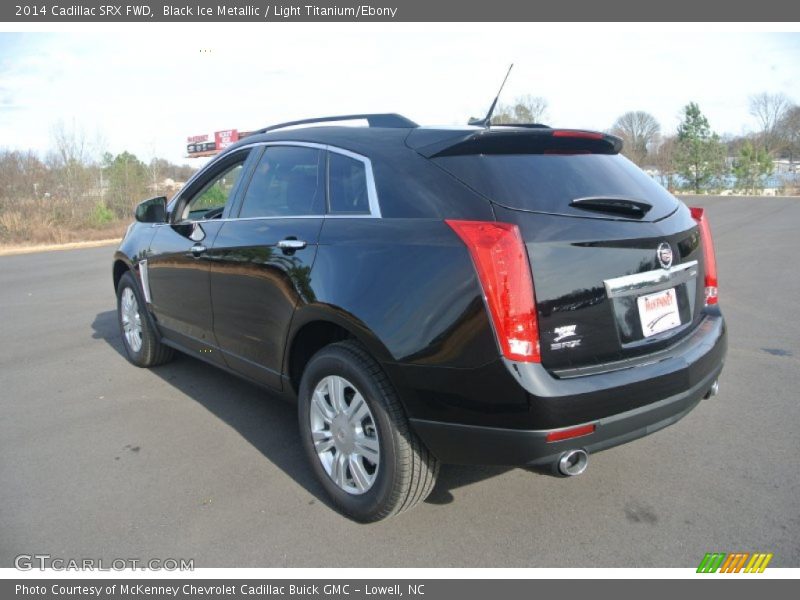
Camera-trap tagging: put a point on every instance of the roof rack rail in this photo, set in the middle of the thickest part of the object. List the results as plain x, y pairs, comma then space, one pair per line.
391, 120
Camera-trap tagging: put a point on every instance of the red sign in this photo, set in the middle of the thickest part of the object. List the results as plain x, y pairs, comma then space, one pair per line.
196, 138
226, 138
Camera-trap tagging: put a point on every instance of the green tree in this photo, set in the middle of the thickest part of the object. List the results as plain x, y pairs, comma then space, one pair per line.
700, 155
752, 165
127, 182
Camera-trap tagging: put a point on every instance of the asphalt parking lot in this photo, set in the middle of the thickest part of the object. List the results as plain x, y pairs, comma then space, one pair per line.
101, 459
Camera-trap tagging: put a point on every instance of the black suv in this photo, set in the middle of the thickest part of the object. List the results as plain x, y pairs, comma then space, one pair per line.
492, 295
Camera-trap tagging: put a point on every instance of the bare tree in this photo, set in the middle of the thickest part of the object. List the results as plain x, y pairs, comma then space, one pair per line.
530, 109
664, 159
524, 109
69, 142
154, 168
789, 131
70, 157
22, 176
769, 110
639, 130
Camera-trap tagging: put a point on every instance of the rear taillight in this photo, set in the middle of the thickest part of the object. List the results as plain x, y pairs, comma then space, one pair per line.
501, 262
577, 133
699, 215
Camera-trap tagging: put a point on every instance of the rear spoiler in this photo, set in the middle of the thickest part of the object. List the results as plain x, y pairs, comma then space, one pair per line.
512, 140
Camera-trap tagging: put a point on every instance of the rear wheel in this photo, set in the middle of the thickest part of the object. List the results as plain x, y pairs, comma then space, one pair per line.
139, 336
357, 437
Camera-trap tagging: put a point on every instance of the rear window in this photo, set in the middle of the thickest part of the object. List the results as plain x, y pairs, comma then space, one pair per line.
549, 182
347, 191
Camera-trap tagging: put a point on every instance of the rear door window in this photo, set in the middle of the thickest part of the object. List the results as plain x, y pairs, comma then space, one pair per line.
549, 182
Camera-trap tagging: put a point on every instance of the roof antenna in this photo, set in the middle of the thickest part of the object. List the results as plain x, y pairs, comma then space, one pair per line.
487, 120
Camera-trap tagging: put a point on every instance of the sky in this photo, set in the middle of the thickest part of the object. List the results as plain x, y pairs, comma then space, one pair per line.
146, 88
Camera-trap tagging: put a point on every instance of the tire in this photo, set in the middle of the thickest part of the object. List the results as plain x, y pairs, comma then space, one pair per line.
405, 472
144, 349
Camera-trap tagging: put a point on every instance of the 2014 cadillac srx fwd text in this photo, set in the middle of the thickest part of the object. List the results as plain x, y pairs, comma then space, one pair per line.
507, 295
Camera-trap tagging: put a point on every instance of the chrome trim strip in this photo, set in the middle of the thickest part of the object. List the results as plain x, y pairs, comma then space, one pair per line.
233, 219
372, 190
650, 281
144, 276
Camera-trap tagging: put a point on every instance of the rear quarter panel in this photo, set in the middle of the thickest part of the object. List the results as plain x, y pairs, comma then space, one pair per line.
407, 284
407, 289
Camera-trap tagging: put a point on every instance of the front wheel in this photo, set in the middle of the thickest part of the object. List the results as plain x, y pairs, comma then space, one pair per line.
357, 437
139, 336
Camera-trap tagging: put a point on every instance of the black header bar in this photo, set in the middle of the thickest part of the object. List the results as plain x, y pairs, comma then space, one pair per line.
196, 11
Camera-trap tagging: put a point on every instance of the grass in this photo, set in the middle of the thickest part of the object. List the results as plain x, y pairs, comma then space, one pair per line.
45, 221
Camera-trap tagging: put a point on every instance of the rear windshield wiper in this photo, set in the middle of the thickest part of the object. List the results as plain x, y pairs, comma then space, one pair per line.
618, 205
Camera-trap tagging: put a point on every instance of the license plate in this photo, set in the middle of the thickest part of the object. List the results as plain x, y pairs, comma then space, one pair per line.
658, 312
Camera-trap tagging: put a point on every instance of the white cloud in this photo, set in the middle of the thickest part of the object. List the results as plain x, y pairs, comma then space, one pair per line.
147, 87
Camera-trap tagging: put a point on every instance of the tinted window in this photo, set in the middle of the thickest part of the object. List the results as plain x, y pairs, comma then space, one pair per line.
549, 182
347, 185
285, 183
210, 201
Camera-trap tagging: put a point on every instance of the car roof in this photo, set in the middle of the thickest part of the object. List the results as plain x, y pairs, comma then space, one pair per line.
369, 141
361, 140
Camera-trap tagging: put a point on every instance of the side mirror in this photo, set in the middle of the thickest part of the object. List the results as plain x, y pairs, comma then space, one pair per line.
153, 210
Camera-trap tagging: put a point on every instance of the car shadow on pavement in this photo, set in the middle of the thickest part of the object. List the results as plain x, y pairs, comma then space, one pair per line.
266, 421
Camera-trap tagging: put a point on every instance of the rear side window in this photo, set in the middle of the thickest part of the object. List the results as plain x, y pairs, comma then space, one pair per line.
549, 182
347, 185
286, 183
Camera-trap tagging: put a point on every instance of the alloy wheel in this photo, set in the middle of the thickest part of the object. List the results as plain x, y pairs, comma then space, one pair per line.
345, 435
131, 320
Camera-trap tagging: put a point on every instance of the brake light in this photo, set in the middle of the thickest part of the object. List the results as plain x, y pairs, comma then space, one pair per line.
575, 133
712, 293
568, 434
501, 262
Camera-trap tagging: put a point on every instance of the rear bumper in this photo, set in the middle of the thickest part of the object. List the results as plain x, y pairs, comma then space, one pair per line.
691, 370
471, 444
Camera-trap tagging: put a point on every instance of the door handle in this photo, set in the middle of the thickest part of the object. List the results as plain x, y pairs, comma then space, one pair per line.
290, 245
198, 249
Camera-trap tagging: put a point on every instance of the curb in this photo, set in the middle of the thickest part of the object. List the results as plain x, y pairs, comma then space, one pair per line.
15, 250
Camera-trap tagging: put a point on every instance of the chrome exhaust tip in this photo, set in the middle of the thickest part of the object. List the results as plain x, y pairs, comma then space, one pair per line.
573, 462
713, 390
